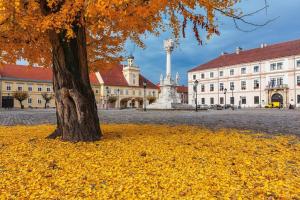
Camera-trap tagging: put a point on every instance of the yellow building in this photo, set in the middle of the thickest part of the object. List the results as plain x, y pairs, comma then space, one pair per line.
121, 86
33, 80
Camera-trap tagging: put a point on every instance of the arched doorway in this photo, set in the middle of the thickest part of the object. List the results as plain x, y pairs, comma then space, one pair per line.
277, 98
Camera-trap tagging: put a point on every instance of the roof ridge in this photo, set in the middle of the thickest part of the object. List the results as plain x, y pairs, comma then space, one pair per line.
271, 51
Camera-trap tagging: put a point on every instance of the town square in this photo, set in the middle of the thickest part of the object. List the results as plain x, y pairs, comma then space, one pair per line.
135, 99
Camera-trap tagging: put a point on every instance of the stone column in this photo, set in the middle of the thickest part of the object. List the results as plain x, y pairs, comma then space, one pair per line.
169, 46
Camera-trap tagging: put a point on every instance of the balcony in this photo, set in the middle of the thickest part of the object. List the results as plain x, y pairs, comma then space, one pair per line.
277, 87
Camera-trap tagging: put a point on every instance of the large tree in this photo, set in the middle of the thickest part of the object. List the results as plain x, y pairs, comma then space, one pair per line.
74, 36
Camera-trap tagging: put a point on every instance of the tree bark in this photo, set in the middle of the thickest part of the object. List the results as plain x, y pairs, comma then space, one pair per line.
76, 110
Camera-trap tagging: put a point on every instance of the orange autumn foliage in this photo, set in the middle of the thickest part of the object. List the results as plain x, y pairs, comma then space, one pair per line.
109, 24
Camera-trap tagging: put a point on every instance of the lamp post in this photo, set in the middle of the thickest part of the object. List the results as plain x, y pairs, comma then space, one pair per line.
107, 95
118, 102
145, 86
195, 90
231, 88
225, 91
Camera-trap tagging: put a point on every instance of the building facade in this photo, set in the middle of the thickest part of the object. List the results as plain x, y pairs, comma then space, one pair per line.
121, 86
33, 80
249, 78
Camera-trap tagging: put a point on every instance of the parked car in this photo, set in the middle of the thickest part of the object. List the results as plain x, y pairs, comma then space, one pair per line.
229, 106
203, 107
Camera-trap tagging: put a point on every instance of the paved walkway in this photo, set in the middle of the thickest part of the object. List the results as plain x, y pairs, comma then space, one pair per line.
270, 121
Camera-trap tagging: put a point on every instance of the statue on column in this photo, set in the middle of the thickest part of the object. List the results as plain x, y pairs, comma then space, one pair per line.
177, 78
161, 79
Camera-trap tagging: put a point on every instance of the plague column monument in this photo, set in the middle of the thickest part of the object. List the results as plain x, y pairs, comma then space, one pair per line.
168, 96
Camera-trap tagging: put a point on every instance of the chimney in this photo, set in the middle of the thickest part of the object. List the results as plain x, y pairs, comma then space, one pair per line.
263, 45
238, 50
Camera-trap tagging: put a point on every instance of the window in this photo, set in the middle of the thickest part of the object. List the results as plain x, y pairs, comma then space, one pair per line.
212, 100
30, 88
115, 91
202, 88
276, 66
243, 85
273, 82
39, 101
202, 100
211, 87
256, 99
273, 67
232, 100
221, 73
256, 84
96, 91
48, 89
221, 87
231, 72
231, 85
279, 81
298, 80
121, 92
298, 98
133, 92
221, 100
211, 75
20, 88
243, 100
194, 77
153, 93
243, 70
133, 79
202, 75
140, 92
39, 88
256, 69
30, 100
8, 87
126, 92
279, 65
298, 63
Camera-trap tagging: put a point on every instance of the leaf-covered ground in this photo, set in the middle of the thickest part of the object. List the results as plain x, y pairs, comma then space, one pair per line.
149, 162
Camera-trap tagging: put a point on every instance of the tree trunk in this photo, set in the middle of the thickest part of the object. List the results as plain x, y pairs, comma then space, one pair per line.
76, 110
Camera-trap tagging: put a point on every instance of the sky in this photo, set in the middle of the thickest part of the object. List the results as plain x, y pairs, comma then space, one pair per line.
189, 54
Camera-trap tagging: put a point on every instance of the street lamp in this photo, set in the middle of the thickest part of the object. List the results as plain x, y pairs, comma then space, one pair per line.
225, 91
145, 86
231, 88
195, 90
118, 102
107, 95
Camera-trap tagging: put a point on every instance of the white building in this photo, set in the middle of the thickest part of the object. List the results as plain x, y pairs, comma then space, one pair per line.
253, 78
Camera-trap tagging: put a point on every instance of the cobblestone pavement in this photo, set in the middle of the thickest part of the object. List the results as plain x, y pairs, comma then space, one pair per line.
270, 121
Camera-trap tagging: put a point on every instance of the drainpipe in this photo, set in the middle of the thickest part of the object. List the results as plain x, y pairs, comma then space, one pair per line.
218, 88
295, 83
260, 84
0, 93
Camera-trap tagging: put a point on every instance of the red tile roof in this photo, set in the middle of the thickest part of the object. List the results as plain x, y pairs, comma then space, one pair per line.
253, 55
26, 73
20, 72
113, 76
182, 89
179, 89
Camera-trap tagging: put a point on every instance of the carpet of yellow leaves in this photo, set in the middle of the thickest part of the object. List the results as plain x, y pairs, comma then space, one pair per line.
149, 162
